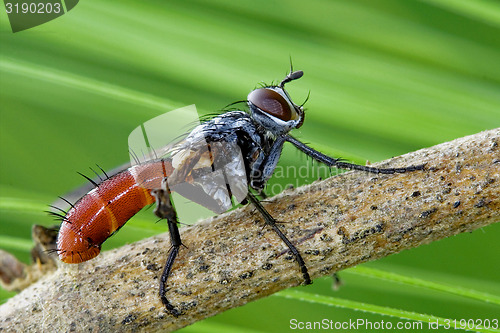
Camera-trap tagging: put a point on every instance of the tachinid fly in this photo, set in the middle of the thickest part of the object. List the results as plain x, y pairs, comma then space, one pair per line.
221, 158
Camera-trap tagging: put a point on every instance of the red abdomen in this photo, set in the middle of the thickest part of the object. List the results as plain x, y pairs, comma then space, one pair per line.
106, 208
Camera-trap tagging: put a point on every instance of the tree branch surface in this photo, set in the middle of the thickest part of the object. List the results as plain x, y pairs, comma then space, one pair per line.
231, 259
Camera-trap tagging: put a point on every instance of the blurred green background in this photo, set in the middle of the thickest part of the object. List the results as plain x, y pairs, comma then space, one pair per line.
385, 78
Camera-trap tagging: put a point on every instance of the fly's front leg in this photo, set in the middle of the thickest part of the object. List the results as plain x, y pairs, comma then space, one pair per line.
263, 170
335, 162
272, 223
165, 210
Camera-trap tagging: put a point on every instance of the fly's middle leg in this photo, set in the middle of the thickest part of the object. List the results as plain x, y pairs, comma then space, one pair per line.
272, 223
165, 210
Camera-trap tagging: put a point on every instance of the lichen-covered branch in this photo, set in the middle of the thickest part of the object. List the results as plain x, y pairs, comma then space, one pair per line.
231, 259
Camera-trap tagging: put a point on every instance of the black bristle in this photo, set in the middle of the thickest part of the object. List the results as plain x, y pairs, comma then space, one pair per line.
59, 209
307, 98
58, 217
104, 172
98, 175
69, 203
55, 214
89, 179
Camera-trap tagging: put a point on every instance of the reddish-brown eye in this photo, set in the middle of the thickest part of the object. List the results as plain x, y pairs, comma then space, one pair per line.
271, 102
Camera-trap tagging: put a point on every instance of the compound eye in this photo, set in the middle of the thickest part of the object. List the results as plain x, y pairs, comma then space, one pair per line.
272, 103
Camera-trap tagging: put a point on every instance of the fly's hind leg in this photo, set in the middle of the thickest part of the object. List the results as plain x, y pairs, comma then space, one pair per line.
165, 210
272, 223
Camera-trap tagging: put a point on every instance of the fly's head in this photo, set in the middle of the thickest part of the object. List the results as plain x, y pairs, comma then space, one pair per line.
273, 109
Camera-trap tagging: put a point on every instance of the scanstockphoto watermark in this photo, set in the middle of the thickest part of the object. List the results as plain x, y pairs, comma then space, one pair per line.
383, 325
356, 324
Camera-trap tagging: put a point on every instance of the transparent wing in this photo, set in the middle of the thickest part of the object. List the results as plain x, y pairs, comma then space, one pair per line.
202, 170
155, 138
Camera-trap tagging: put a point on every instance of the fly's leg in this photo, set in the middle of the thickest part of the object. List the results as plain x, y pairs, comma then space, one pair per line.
165, 210
270, 221
166, 272
335, 162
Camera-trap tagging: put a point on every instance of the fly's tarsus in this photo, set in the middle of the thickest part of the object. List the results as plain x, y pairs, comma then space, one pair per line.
174, 250
345, 165
272, 223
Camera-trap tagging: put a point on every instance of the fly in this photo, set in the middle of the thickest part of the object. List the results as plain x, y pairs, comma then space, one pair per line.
219, 159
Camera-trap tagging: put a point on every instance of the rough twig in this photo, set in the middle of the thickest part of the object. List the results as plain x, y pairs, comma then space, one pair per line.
230, 260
